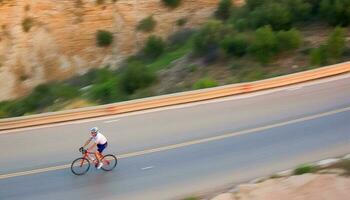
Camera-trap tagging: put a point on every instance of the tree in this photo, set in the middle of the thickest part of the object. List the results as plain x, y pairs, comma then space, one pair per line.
265, 45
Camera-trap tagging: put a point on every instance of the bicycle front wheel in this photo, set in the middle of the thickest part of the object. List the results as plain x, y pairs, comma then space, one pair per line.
109, 162
80, 166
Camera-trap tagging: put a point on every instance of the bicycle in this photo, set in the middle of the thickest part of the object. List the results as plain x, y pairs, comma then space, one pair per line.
81, 165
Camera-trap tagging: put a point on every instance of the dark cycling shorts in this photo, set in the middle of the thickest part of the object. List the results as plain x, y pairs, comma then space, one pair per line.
101, 147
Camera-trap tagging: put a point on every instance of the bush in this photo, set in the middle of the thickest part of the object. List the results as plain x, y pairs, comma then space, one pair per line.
204, 83
154, 47
318, 56
180, 37
93, 76
304, 169
336, 12
253, 4
300, 9
147, 24
241, 24
277, 15
181, 21
235, 44
136, 76
27, 24
289, 40
265, 44
104, 38
224, 9
336, 43
41, 97
172, 3
105, 92
208, 37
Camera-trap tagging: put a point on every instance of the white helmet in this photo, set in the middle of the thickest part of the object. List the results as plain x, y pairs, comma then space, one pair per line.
94, 130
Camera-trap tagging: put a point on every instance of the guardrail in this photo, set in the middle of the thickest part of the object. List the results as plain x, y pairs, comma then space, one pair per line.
172, 99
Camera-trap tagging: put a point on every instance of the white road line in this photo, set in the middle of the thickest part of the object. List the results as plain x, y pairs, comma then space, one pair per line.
184, 144
230, 98
110, 121
145, 168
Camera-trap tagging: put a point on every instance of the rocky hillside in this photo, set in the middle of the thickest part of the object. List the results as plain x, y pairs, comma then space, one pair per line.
43, 40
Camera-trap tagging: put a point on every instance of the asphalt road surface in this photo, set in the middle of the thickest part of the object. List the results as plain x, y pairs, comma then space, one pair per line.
180, 151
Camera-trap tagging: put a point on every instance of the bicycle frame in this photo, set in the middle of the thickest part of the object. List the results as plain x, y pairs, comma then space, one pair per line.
86, 155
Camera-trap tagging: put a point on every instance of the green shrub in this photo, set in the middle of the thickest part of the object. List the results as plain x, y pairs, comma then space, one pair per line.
253, 4
265, 45
147, 24
336, 43
181, 37
235, 44
154, 47
171, 3
224, 9
277, 15
289, 40
318, 56
93, 76
208, 37
181, 21
136, 76
104, 38
191, 198
304, 169
335, 12
241, 24
204, 83
300, 9
41, 97
105, 92
27, 24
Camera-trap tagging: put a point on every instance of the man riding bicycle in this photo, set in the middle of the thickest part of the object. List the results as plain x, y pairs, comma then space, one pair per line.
100, 141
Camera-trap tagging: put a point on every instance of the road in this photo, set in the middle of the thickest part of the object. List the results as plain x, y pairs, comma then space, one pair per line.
174, 152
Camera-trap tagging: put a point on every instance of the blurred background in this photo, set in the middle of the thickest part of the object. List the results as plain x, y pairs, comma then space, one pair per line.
57, 55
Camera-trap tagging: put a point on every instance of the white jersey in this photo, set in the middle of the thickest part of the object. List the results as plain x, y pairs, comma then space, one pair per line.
99, 138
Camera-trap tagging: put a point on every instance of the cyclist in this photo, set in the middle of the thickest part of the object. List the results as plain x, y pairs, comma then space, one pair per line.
100, 141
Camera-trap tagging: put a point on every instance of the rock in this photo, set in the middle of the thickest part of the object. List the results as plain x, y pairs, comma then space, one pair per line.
332, 171
327, 162
285, 173
60, 40
224, 196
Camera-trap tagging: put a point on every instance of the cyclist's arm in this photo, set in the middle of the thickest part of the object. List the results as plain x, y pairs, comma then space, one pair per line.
92, 146
87, 142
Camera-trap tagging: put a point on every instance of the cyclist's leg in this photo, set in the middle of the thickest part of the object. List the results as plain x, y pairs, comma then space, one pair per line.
98, 153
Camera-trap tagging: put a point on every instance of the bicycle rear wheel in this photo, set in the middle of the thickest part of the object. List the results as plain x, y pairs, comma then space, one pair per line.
109, 162
80, 166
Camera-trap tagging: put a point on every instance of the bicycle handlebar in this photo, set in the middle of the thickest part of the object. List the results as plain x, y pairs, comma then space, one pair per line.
82, 150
